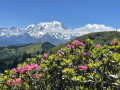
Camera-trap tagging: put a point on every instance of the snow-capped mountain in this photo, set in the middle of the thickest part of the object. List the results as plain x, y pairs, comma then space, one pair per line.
54, 32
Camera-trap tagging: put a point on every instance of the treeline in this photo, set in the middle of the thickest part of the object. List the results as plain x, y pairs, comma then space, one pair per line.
10, 56
10, 63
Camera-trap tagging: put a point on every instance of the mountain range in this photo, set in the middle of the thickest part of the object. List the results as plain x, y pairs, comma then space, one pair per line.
53, 32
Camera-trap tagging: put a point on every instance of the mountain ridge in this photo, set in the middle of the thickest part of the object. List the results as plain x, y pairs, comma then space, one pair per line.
53, 32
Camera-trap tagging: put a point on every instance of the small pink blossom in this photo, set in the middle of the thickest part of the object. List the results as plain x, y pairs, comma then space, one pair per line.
83, 51
36, 76
59, 52
9, 83
82, 44
18, 81
14, 70
28, 67
18, 68
68, 46
86, 54
45, 55
22, 67
74, 67
22, 71
14, 77
41, 61
83, 67
36, 66
112, 42
98, 45
13, 81
73, 46
75, 43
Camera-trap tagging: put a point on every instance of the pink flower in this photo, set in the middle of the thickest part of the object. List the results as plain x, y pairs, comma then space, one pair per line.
45, 55
59, 52
8, 83
18, 68
98, 45
36, 76
22, 71
74, 67
83, 51
22, 67
32, 67
28, 67
13, 81
83, 67
36, 66
86, 54
75, 43
112, 42
18, 81
14, 70
81, 43
68, 46
41, 61
14, 77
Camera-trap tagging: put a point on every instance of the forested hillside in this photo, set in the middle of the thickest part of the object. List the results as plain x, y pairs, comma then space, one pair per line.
12, 55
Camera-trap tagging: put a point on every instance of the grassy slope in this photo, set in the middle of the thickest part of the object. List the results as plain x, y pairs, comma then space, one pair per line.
13, 51
98, 38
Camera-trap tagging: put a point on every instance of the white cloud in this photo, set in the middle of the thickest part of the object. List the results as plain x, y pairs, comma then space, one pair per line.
89, 28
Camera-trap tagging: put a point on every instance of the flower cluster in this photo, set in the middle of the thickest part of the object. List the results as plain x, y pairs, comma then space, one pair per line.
26, 68
76, 42
82, 67
17, 81
68, 46
45, 55
36, 76
59, 51
99, 46
112, 42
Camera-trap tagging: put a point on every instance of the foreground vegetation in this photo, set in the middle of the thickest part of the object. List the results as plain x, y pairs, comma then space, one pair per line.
77, 66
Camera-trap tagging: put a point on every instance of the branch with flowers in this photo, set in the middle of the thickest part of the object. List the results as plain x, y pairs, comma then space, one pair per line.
77, 66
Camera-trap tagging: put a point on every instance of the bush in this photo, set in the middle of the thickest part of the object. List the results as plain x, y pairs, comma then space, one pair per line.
77, 66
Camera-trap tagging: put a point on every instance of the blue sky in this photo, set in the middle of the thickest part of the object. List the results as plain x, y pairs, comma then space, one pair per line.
72, 13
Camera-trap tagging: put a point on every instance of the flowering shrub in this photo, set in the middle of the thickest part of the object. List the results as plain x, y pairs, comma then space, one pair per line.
76, 67
98, 46
45, 56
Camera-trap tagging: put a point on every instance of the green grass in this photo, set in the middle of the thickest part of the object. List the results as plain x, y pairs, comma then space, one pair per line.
15, 51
